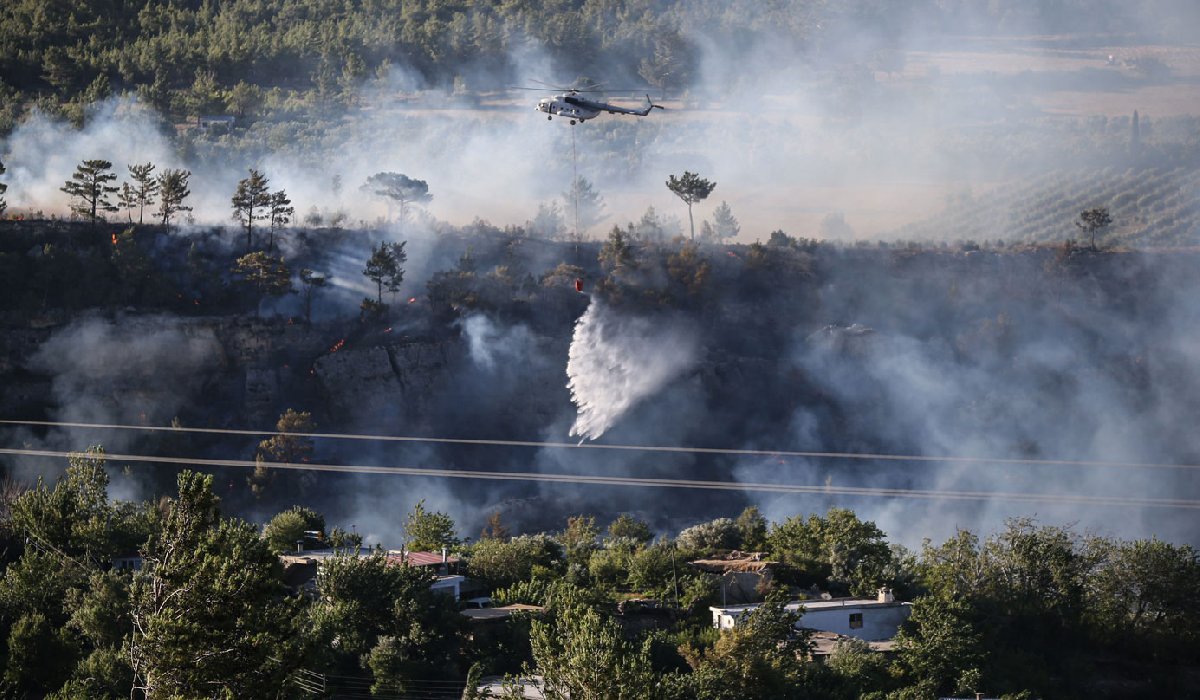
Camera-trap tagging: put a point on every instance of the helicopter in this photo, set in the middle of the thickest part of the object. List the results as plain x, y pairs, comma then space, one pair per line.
571, 105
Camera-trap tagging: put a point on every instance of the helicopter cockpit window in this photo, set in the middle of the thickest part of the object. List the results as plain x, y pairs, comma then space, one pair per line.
570, 100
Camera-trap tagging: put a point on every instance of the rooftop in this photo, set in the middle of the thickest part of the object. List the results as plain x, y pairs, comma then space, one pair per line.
500, 613
813, 605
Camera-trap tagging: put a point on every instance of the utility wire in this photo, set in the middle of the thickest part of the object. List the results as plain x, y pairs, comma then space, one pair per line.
642, 482
864, 456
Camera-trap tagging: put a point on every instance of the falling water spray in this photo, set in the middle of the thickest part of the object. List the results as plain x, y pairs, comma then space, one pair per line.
617, 360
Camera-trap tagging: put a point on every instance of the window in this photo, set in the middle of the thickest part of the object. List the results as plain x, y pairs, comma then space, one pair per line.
855, 621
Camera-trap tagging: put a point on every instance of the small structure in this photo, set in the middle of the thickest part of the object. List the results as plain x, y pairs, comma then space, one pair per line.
501, 612
744, 575
300, 570
870, 619
528, 687
219, 121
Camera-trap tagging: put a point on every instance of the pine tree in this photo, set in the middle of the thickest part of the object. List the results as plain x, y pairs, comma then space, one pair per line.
145, 188
281, 214
251, 202
691, 188
384, 268
401, 189
173, 188
89, 187
209, 615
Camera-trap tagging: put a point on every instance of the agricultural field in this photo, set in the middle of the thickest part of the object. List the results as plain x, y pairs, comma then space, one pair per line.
1149, 206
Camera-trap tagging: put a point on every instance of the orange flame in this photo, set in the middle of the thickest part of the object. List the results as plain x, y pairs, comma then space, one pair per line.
114, 239
338, 345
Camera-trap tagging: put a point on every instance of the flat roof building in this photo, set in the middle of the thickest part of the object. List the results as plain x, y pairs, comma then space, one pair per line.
869, 619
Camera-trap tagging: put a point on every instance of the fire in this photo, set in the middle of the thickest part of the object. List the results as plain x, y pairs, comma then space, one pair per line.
387, 330
412, 300
114, 239
338, 345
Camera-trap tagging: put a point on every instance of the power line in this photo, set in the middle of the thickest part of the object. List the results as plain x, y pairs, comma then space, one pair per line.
644, 482
862, 456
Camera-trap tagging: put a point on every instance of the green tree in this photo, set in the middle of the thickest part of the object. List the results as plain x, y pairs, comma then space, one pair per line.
375, 615
848, 553
75, 518
145, 188
209, 614
243, 98
690, 188
266, 275
580, 539
385, 268
706, 538
36, 649
1093, 220
205, 94
280, 215
400, 189
173, 189
628, 527
1137, 595
285, 446
283, 531
617, 255
501, 563
583, 655
939, 644
760, 658
725, 225
89, 188
127, 200
752, 529
428, 530
99, 614
251, 202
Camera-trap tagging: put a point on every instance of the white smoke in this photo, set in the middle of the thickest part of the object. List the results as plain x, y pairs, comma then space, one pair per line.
616, 361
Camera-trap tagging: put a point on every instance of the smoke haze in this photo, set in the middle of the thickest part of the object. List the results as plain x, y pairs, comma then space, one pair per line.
1008, 355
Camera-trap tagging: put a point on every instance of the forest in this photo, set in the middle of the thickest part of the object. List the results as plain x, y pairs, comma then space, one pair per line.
1029, 611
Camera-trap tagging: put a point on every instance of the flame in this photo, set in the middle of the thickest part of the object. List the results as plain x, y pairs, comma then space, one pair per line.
338, 345
387, 330
114, 239
412, 300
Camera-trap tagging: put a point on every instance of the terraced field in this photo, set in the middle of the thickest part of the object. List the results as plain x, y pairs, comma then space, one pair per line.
1149, 207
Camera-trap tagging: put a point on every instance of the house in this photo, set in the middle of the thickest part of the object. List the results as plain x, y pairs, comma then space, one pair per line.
744, 575
300, 570
209, 121
870, 619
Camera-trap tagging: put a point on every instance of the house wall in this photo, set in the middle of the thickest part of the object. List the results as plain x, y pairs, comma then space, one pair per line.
878, 625
879, 622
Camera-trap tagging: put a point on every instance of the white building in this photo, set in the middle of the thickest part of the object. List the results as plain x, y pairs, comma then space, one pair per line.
869, 619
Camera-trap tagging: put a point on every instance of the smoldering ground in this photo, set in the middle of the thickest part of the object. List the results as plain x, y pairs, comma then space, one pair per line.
778, 131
